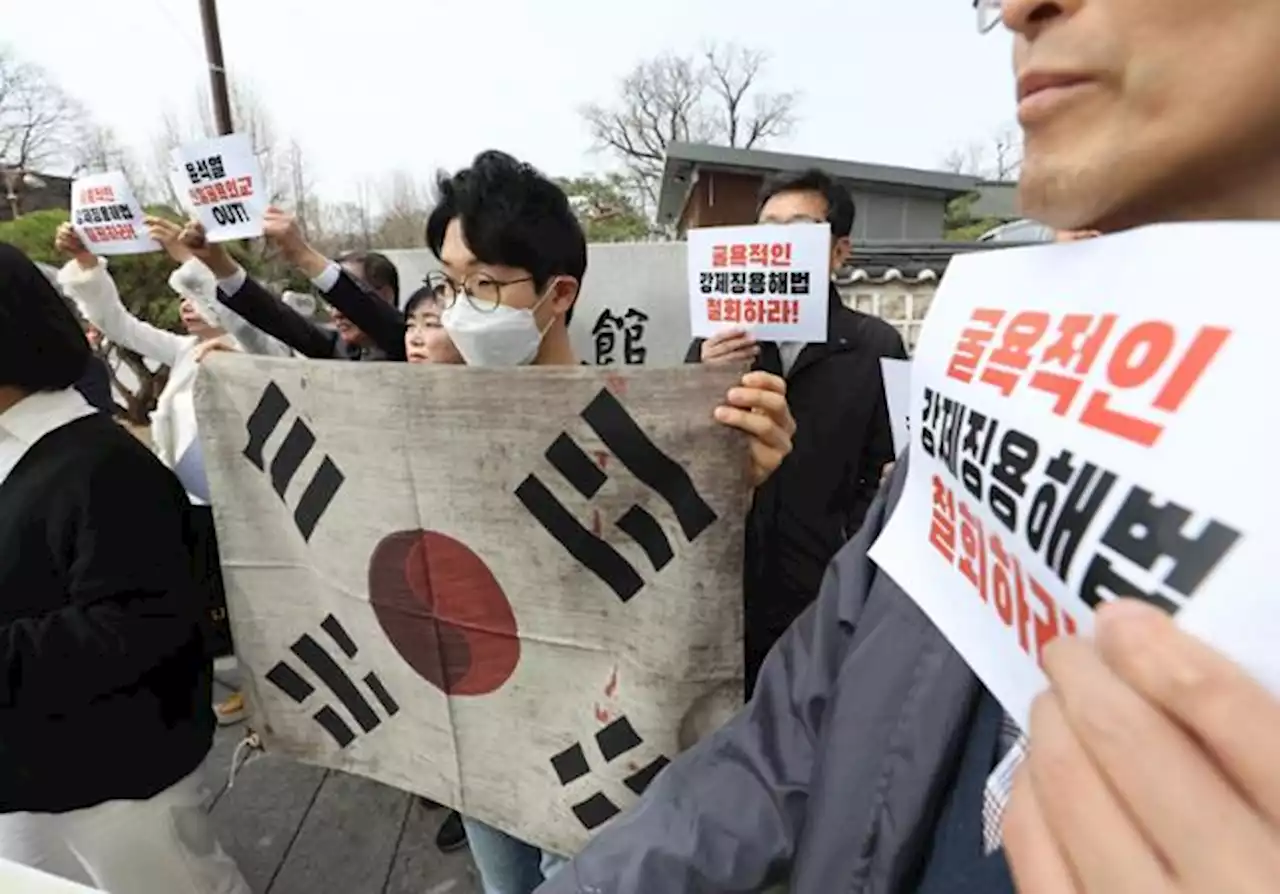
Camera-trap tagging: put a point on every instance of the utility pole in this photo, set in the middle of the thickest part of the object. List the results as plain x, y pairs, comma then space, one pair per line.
217, 71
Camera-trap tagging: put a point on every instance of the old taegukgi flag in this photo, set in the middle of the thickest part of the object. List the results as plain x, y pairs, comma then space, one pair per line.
517, 592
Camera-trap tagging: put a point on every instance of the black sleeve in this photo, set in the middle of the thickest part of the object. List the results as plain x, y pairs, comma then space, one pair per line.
131, 601
694, 354
95, 386
373, 316
264, 311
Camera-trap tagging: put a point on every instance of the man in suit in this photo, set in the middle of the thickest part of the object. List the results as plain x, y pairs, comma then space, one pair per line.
818, 497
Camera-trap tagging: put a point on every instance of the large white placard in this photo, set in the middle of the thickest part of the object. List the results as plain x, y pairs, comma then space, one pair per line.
769, 278
108, 217
1083, 428
220, 182
517, 592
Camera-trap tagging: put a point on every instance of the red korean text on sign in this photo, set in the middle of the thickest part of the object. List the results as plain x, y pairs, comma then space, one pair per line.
233, 189
1054, 355
1021, 603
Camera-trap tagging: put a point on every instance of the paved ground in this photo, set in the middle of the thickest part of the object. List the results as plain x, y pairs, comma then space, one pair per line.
296, 829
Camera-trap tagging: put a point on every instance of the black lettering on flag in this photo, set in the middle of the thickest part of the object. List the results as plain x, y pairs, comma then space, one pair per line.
633, 448
615, 740
292, 453
335, 679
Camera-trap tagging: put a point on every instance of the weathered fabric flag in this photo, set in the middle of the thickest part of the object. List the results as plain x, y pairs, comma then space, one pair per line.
515, 592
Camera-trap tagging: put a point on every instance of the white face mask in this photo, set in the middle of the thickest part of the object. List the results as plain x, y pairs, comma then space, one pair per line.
504, 336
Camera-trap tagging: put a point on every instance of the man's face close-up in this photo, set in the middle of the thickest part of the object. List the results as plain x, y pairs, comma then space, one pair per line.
1136, 111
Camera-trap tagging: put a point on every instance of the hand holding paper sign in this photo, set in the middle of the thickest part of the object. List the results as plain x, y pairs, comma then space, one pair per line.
1152, 768
730, 346
67, 242
759, 408
169, 235
107, 216
213, 256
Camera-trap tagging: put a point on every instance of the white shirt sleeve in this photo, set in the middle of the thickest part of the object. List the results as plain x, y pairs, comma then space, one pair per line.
233, 283
327, 280
94, 292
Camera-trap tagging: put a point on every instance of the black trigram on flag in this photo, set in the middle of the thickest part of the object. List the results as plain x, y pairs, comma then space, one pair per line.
312, 654
632, 447
289, 457
614, 740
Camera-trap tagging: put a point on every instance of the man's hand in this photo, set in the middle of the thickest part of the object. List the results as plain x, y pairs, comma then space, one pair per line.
1152, 768
281, 228
886, 472
169, 235
759, 407
211, 254
68, 242
730, 346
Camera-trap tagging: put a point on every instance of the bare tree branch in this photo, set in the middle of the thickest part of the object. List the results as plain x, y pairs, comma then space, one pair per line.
37, 119
997, 158
711, 97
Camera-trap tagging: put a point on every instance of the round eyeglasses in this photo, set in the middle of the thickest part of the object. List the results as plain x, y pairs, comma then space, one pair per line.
483, 292
989, 14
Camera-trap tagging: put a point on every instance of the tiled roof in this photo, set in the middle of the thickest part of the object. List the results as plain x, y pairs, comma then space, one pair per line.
908, 262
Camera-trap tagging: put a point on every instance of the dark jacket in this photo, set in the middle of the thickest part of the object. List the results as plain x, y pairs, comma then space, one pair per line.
95, 386
835, 773
380, 321
817, 498
105, 689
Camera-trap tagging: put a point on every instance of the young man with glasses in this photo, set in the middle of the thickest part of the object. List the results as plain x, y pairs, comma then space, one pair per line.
512, 256
865, 760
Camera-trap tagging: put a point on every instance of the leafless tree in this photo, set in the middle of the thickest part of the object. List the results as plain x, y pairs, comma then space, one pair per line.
302, 190
997, 158
712, 97
37, 119
97, 149
405, 203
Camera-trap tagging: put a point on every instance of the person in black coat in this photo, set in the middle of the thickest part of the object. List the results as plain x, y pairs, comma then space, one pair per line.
105, 690
818, 497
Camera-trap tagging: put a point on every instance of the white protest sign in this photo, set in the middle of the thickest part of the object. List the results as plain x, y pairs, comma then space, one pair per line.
107, 217
897, 394
18, 879
220, 182
769, 278
1079, 436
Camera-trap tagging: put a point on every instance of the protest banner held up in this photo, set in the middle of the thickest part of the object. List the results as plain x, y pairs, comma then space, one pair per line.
771, 279
220, 184
1082, 430
525, 619
107, 217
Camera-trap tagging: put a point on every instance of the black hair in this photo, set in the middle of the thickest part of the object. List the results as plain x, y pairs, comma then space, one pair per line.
840, 210
42, 347
511, 214
420, 296
379, 272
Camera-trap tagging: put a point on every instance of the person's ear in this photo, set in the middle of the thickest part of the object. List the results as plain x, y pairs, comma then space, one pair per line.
564, 291
841, 249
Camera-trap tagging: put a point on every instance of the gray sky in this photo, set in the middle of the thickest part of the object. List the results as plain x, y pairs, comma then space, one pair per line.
375, 85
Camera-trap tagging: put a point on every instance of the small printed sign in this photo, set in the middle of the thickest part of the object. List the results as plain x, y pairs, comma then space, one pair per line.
771, 279
1059, 396
107, 216
220, 183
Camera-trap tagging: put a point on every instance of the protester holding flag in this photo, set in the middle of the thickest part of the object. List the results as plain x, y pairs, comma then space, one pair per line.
513, 256
173, 423
104, 681
866, 758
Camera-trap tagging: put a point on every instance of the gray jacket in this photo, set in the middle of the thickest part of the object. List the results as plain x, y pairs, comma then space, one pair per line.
830, 775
